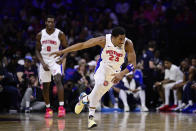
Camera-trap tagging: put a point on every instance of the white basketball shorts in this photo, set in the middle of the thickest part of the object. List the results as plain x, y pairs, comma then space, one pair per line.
45, 76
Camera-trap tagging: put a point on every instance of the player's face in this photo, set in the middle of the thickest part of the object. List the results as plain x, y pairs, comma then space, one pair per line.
119, 40
50, 23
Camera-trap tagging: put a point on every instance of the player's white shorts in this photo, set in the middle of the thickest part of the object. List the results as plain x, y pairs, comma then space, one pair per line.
104, 75
103, 78
45, 76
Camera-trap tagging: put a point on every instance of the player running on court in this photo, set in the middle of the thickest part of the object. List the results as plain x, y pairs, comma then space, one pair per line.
115, 46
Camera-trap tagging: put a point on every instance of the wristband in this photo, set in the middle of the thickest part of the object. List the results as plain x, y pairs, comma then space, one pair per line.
130, 67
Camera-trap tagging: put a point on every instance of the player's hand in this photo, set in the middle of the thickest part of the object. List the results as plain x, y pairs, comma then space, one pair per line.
56, 54
46, 67
117, 77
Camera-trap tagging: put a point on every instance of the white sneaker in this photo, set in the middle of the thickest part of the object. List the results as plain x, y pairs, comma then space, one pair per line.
91, 122
144, 109
126, 108
80, 105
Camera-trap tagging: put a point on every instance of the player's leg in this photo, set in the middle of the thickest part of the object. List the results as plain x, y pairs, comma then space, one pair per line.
45, 92
56, 72
57, 80
45, 79
94, 97
61, 109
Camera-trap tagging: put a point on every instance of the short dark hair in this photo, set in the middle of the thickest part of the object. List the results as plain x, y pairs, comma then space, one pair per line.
49, 16
118, 31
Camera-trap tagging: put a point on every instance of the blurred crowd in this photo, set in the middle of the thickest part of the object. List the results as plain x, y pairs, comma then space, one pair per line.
163, 33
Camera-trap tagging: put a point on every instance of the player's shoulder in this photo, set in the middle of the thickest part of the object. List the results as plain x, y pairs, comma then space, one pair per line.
60, 31
128, 41
128, 44
41, 32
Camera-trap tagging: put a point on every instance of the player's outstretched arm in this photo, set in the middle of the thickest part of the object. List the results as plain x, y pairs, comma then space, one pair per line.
83, 45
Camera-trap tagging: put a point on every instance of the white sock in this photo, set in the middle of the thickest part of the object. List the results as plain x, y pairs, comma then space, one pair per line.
175, 97
123, 97
142, 98
61, 103
27, 104
190, 102
179, 103
167, 91
48, 106
91, 111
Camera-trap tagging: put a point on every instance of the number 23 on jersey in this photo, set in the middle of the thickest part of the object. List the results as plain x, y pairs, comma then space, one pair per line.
113, 58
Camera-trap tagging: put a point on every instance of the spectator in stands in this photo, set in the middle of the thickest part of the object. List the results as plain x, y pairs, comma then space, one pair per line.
81, 78
23, 73
8, 90
173, 76
184, 66
31, 99
188, 92
132, 84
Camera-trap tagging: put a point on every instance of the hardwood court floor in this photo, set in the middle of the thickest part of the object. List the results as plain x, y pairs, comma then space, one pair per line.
106, 122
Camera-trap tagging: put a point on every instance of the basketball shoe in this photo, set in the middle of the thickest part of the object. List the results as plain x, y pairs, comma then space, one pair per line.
49, 113
61, 111
80, 105
91, 122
